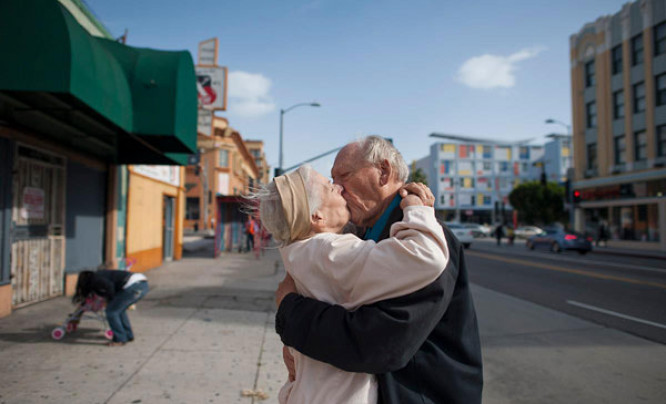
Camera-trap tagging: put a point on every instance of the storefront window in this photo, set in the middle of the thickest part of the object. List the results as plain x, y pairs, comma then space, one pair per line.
637, 223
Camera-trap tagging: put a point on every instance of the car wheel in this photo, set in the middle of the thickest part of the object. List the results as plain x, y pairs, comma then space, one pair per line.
529, 245
555, 248
467, 245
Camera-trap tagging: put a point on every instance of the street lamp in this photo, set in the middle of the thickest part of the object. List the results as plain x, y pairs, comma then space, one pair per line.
555, 121
278, 171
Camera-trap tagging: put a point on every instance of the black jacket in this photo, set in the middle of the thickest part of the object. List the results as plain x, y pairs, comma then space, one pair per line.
424, 347
109, 282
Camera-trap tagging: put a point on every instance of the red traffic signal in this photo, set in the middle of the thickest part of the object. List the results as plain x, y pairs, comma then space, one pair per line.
576, 196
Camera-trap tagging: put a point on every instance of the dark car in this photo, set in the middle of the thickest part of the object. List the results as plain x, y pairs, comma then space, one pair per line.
558, 240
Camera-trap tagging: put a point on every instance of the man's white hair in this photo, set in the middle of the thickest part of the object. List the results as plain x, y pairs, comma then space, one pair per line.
270, 205
374, 149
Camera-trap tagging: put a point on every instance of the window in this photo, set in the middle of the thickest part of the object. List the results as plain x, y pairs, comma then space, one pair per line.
591, 109
487, 152
617, 59
487, 200
524, 153
224, 158
640, 145
661, 141
620, 146
660, 39
589, 74
487, 166
639, 97
618, 104
192, 209
661, 89
591, 156
504, 166
637, 50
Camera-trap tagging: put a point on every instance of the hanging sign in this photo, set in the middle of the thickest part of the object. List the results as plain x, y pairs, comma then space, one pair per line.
208, 52
212, 87
205, 122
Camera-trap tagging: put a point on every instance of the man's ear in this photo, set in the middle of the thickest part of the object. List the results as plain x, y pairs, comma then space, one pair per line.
386, 171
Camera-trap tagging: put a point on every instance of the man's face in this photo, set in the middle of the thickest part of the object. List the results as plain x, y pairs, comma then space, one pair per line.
360, 181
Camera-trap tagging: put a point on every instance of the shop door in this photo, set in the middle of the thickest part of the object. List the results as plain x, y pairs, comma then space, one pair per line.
167, 241
38, 212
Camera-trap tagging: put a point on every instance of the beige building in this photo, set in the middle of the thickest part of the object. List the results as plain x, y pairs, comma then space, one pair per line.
618, 76
226, 171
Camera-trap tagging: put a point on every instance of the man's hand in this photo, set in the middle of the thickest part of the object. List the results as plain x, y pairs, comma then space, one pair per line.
284, 288
419, 190
288, 359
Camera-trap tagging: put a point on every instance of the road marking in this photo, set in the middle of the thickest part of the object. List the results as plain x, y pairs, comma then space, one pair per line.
568, 270
616, 314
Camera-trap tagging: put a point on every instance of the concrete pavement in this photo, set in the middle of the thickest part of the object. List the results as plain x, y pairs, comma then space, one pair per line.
205, 334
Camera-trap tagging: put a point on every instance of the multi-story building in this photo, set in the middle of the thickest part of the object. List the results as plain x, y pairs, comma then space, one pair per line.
472, 178
557, 158
256, 149
618, 78
215, 188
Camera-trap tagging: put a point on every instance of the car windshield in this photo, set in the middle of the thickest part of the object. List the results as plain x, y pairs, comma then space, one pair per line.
453, 226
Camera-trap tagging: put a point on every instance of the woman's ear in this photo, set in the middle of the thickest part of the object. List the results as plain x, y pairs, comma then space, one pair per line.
316, 219
385, 172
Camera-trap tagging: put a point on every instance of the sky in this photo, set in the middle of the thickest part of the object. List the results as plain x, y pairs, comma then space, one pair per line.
399, 69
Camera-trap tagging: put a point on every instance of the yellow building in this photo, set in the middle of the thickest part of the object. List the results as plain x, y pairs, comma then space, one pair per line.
618, 76
155, 213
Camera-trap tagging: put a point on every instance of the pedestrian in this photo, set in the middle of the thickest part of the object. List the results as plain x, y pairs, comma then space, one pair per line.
510, 235
249, 233
602, 234
423, 347
499, 233
307, 213
120, 289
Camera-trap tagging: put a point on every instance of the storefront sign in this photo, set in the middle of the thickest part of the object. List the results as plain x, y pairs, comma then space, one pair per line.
168, 174
212, 87
33, 203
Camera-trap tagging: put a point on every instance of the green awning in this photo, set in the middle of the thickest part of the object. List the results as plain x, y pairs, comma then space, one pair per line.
103, 92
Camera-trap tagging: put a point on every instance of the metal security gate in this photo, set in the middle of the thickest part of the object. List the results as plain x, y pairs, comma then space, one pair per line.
38, 212
168, 228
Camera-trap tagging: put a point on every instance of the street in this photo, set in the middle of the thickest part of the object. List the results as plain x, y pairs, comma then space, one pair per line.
205, 333
625, 293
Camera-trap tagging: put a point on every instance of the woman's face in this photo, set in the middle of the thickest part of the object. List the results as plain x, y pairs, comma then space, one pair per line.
333, 208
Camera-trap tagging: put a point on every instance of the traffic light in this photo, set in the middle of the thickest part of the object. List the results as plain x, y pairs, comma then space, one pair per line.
576, 196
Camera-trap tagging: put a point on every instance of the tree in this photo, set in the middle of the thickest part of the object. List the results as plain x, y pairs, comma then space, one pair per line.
537, 203
417, 175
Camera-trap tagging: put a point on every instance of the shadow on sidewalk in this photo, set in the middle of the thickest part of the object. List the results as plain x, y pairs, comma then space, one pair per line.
42, 334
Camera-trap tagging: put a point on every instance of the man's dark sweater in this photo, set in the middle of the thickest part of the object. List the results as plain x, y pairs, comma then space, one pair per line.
424, 347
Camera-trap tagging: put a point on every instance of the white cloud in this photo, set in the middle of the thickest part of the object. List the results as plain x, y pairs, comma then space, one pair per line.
249, 94
492, 71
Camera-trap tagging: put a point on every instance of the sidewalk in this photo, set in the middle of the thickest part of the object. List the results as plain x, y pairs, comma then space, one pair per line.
205, 333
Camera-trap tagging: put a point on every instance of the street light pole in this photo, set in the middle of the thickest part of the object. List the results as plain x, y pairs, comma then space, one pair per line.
278, 171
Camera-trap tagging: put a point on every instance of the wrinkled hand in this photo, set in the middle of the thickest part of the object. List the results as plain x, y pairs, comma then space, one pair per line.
288, 359
416, 194
284, 288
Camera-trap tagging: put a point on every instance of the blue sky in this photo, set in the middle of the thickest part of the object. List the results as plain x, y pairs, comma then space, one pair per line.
401, 69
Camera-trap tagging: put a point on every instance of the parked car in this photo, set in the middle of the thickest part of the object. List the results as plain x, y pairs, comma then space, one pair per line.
558, 240
463, 234
478, 230
527, 231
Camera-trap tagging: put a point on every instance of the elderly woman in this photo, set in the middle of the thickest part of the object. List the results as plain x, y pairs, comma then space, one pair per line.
306, 213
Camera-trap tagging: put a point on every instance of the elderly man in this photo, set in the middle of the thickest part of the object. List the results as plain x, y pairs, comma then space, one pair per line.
424, 347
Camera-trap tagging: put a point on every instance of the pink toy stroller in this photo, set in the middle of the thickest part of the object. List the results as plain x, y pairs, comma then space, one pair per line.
92, 307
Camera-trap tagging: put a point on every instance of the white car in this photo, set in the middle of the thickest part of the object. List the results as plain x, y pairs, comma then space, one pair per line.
527, 231
478, 230
464, 235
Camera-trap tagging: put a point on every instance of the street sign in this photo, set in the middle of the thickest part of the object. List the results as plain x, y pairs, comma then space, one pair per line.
208, 52
212, 87
205, 122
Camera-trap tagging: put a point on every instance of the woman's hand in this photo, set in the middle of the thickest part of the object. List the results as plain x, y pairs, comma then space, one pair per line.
416, 194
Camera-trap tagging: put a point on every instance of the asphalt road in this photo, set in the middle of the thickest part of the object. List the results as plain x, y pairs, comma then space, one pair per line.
624, 293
